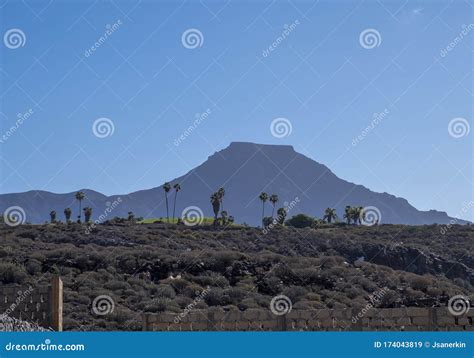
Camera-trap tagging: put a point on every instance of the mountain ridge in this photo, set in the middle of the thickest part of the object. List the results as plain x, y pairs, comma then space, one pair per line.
244, 169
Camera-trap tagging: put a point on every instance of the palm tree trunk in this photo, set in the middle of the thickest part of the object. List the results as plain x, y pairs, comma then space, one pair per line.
167, 211
80, 213
174, 206
273, 210
263, 211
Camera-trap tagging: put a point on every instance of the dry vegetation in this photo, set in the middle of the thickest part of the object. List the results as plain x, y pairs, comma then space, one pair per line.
138, 265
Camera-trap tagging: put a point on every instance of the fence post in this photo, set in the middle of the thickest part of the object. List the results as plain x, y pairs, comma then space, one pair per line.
211, 321
145, 323
57, 303
433, 318
281, 323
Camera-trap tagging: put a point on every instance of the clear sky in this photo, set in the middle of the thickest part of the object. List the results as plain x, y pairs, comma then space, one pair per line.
320, 74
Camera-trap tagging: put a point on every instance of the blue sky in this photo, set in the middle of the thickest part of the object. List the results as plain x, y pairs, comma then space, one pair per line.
319, 77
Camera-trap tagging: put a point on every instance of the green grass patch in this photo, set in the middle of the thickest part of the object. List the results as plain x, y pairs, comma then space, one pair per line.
205, 221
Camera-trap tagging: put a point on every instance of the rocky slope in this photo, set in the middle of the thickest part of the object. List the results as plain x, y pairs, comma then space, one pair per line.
158, 267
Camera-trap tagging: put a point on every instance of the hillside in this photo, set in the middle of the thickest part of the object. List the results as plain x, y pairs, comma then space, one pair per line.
244, 170
163, 268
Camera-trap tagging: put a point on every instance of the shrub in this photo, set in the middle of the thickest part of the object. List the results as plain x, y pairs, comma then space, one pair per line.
421, 283
267, 221
213, 281
11, 273
235, 294
33, 267
216, 297
223, 259
158, 305
178, 284
295, 293
300, 221
183, 301
192, 291
165, 291
247, 303
116, 285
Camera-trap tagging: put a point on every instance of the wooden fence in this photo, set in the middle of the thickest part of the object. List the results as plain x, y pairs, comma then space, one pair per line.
40, 304
398, 319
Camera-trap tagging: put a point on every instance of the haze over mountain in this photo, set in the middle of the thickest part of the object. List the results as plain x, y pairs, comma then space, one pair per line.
244, 170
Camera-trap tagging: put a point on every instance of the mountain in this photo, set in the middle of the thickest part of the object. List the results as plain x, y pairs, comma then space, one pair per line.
245, 170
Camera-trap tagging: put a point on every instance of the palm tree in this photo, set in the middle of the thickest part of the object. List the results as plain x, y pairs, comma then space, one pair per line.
167, 188
348, 214
177, 188
216, 204
53, 216
273, 199
131, 216
80, 196
87, 214
67, 214
356, 213
263, 197
330, 215
221, 193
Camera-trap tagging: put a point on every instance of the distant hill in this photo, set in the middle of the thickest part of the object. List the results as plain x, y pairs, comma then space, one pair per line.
245, 170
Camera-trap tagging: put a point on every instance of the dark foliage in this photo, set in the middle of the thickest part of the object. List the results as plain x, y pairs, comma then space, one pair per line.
160, 267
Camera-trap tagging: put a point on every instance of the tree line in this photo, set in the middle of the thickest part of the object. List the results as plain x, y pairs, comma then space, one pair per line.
352, 214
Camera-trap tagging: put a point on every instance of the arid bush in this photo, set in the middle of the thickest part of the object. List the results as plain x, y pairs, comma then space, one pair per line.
140, 265
295, 293
12, 273
421, 283
165, 291
300, 221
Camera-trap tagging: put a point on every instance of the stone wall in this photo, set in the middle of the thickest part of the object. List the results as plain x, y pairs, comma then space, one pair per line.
40, 304
396, 319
